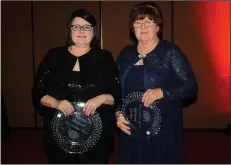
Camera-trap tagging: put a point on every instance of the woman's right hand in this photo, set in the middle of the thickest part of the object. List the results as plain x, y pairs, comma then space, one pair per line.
122, 123
64, 106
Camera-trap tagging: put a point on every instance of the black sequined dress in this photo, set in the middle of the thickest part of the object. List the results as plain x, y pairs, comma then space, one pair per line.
98, 75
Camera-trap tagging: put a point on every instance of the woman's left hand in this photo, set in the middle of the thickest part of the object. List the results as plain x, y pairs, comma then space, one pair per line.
93, 103
152, 95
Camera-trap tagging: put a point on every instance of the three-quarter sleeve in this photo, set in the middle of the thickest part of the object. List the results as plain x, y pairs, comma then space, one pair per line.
42, 79
184, 73
112, 85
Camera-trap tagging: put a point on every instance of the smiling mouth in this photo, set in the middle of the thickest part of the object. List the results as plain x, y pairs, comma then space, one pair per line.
144, 32
81, 36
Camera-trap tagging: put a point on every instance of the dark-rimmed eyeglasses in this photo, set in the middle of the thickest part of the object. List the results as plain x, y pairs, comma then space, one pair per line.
79, 27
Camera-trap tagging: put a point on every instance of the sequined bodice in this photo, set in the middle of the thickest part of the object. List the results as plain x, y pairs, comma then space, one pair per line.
77, 88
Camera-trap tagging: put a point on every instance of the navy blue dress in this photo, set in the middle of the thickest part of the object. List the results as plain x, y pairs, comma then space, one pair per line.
167, 68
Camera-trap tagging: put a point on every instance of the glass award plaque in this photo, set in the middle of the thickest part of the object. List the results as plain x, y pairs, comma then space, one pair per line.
76, 133
143, 121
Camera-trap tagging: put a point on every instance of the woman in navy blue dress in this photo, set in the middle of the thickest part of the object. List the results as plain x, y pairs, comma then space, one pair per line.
156, 79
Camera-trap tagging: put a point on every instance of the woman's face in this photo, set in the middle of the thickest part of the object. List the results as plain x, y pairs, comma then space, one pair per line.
81, 32
145, 30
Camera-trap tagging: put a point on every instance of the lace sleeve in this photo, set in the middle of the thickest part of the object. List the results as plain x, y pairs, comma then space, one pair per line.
183, 71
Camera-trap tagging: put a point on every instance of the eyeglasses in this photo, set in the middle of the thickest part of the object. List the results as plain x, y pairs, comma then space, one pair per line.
138, 24
79, 27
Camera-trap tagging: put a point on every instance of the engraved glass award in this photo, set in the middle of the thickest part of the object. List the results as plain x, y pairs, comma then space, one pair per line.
143, 121
76, 133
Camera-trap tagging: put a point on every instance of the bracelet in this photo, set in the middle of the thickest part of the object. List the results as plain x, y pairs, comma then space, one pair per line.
119, 113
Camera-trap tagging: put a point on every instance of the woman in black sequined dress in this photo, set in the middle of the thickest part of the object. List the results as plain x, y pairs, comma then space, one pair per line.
158, 74
80, 71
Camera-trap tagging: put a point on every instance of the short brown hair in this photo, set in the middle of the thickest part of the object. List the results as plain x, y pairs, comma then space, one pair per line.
146, 9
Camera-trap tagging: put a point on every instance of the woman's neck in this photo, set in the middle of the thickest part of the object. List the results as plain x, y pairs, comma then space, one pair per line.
78, 51
148, 44
146, 47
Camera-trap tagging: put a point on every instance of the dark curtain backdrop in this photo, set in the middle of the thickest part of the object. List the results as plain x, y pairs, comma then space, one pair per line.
201, 29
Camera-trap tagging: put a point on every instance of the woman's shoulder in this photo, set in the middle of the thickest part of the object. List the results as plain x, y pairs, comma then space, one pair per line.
57, 53
127, 53
170, 50
53, 53
169, 46
57, 50
102, 54
129, 48
101, 51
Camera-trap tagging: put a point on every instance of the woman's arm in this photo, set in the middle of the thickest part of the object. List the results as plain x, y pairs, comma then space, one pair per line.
42, 82
62, 105
49, 101
108, 99
42, 85
112, 86
183, 71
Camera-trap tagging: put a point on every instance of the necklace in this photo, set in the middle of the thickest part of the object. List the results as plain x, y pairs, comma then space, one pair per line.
144, 55
147, 51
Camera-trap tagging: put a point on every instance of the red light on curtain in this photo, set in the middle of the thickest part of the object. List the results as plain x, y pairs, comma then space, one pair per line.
214, 28
217, 33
